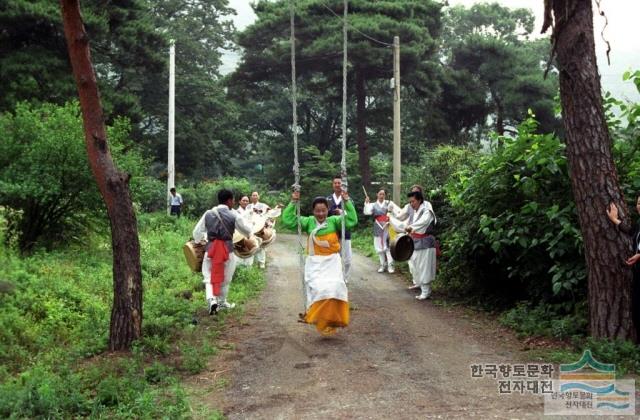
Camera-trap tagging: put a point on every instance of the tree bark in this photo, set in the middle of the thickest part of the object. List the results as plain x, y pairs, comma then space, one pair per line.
594, 178
126, 315
361, 130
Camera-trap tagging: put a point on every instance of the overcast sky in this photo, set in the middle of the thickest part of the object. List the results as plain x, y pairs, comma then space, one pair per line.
622, 32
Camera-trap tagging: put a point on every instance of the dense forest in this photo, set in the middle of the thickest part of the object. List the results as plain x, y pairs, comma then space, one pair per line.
484, 131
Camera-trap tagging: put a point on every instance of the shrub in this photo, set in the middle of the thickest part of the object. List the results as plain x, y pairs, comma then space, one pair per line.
200, 197
515, 231
45, 182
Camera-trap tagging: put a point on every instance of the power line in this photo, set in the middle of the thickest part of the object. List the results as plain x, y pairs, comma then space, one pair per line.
356, 29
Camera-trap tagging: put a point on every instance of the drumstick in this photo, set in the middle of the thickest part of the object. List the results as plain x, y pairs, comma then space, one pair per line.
365, 193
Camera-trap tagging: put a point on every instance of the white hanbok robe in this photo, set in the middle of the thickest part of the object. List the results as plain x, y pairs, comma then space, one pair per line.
266, 211
200, 235
422, 264
380, 230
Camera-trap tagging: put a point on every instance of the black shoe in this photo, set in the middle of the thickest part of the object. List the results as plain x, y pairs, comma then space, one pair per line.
213, 307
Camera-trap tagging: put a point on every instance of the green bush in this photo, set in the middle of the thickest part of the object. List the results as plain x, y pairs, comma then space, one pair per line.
624, 123
148, 194
624, 354
46, 186
200, 197
562, 321
515, 231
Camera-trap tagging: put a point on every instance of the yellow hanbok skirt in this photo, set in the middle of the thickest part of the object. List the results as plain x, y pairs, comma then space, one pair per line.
327, 315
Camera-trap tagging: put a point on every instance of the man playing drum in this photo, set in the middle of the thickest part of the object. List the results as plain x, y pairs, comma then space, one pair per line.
420, 225
216, 227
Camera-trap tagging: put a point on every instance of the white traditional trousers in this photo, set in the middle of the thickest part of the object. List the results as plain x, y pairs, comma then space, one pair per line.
229, 269
422, 266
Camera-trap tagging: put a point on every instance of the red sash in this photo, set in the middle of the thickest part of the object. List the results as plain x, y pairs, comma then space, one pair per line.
382, 218
424, 235
219, 254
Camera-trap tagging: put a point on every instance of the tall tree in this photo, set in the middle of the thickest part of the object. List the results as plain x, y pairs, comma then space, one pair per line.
126, 314
130, 52
34, 65
319, 45
495, 68
205, 119
594, 178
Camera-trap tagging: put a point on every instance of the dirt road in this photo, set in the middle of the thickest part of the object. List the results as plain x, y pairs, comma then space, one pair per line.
399, 358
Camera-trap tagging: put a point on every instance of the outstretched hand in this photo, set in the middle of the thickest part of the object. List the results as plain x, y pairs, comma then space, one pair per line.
633, 260
345, 195
612, 212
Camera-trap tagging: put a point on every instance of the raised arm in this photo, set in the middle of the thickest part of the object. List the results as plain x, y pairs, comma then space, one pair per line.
399, 213
352, 216
368, 208
289, 218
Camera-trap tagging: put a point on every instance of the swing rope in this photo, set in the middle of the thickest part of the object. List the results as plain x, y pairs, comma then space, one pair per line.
294, 128
296, 163
343, 161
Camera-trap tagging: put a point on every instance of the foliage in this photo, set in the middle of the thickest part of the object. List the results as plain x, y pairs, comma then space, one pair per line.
34, 61
129, 50
624, 354
509, 228
206, 127
548, 320
261, 84
624, 121
516, 231
45, 183
437, 168
54, 328
202, 196
494, 69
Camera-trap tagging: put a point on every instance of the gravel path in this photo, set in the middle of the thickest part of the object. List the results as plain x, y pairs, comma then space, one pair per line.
399, 358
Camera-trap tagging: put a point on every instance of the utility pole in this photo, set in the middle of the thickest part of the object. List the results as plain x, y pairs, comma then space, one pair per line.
171, 170
397, 173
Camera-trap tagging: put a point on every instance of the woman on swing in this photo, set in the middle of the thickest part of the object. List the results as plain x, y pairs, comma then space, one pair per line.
327, 301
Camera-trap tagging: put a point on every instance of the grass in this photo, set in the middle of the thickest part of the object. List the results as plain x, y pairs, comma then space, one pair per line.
54, 322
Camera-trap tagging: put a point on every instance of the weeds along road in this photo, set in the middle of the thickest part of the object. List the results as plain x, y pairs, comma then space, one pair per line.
399, 358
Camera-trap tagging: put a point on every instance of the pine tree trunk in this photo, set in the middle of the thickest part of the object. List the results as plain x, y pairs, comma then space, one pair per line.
361, 130
126, 315
499, 114
594, 177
